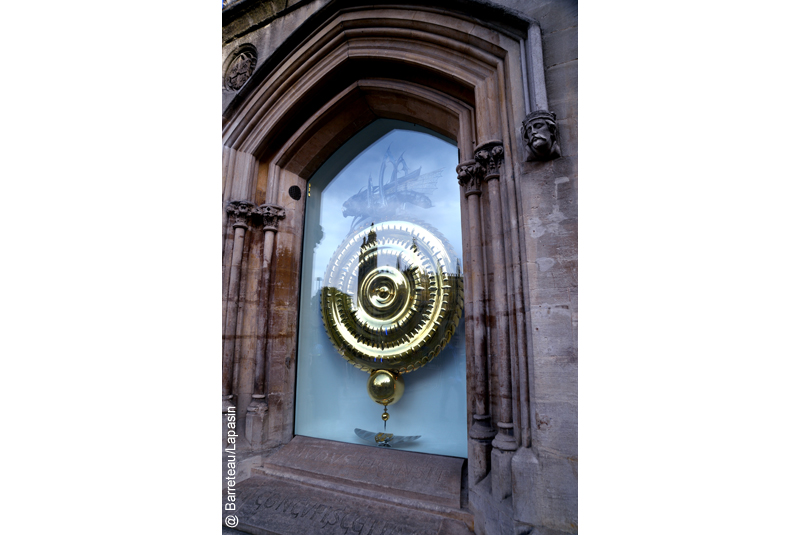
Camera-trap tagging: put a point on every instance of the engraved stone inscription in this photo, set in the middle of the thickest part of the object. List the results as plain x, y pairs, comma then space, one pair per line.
287, 508
432, 476
354, 460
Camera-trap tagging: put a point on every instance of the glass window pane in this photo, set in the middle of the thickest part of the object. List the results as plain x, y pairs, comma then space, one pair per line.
382, 262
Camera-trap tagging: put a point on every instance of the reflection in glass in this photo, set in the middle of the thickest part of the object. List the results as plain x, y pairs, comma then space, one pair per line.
389, 198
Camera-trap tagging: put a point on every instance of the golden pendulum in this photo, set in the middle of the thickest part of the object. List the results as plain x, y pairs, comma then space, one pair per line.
385, 387
365, 325
383, 438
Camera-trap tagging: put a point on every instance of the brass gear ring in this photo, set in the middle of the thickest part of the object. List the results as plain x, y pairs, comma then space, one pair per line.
392, 296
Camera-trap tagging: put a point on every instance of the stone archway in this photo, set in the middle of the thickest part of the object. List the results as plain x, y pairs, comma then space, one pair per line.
445, 71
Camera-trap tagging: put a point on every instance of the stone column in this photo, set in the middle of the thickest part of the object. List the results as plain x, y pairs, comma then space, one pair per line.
470, 176
256, 420
490, 156
239, 212
524, 464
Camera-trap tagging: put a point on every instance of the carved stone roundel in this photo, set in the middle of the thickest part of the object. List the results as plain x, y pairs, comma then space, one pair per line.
240, 70
393, 296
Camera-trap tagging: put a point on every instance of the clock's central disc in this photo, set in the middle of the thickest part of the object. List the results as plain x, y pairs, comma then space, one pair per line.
392, 296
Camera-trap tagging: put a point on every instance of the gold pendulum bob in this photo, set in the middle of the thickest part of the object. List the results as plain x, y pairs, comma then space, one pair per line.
385, 387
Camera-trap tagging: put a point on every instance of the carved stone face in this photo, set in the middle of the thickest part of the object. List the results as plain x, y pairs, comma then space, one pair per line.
541, 138
539, 134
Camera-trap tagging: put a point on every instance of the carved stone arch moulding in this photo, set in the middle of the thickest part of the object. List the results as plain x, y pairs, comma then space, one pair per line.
443, 51
425, 66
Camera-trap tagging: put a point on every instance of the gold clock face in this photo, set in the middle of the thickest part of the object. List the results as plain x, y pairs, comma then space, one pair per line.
393, 296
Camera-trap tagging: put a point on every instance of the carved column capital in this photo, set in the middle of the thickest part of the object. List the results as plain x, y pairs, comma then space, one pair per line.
272, 213
540, 132
490, 156
470, 176
486, 166
240, 212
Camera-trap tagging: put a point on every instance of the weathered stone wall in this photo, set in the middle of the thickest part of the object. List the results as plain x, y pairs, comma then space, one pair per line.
265, 25
550, 223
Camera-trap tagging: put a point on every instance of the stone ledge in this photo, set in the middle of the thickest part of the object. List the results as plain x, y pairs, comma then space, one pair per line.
275, 506
411, 480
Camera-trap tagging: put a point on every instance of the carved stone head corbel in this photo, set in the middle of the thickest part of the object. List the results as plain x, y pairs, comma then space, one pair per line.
540, 132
